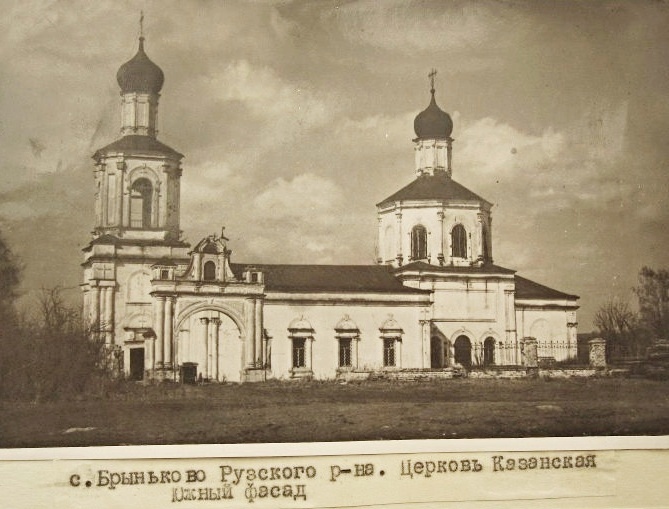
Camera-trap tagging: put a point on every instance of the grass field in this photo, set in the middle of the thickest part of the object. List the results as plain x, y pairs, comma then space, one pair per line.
329, 411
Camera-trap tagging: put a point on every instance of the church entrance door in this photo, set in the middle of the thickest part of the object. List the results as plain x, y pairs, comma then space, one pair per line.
463, 351
136, 363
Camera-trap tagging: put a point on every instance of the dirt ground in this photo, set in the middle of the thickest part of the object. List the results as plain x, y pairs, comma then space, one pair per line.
330, 411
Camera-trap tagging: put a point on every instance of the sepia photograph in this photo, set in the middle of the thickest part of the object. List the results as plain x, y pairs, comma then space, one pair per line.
231, 222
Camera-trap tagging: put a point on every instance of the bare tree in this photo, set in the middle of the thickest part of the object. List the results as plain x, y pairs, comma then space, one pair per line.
653, 294
618, 324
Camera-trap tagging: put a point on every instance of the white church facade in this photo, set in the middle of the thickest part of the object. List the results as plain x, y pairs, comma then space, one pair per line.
433, 301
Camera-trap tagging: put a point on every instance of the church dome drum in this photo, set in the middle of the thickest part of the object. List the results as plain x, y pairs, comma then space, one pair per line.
140, 74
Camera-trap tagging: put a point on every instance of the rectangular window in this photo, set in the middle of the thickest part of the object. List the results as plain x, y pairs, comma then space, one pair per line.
164, 274
299, 359
388, 352
345, 351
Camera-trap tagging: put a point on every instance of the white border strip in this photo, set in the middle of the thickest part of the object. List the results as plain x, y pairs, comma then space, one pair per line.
337, 448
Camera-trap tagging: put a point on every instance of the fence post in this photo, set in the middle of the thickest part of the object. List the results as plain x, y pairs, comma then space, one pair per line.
530, 358
597, 353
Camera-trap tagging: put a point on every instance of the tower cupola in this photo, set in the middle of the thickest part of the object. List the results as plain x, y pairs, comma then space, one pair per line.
141, 82
433, 122
140, 74
433, 142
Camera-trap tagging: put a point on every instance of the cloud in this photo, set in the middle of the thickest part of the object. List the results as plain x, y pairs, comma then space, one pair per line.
408, 27
308, 200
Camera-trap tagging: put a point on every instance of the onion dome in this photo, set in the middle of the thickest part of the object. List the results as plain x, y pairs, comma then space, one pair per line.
433, 122
140, 74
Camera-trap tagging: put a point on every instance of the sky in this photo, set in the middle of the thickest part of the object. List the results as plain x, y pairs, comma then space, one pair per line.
296, 118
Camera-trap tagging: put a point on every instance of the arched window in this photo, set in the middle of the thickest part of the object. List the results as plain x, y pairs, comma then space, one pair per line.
209, 272
141, 195
459, 239
418, 242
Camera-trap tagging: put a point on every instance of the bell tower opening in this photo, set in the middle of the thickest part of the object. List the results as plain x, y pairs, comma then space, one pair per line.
141, 197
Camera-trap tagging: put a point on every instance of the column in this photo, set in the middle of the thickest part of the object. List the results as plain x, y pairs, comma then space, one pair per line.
400, 257
104, 205
215, 327
95, 307
449, 156
380, 241
250, 334
425, 339
168, 332
150, 350
102, 311
440, 254
510, 318
205, 368
481, 243
109, 314
156, 221
307, 353
120, 165
160, 328
259, 358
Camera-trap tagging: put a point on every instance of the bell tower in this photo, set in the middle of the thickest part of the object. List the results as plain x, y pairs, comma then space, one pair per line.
137, 196
137, 178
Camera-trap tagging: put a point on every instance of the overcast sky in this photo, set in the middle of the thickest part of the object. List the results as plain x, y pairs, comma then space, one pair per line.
296, 118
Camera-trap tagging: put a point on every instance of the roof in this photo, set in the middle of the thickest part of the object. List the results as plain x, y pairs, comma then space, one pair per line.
486, 268
138, 143
526, 289
329, 278
108, 240
434, 187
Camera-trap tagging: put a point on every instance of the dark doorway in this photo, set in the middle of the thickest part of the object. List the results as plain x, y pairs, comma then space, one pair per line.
436, 352
463, 351
489, 352
136, 364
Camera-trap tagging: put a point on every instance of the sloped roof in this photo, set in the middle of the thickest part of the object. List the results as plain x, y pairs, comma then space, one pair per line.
329, 278
434, 187
135, 143
487, 268
527, 289
108, 240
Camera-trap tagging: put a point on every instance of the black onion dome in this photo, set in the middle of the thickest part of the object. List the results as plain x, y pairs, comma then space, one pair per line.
140, 74
433, 122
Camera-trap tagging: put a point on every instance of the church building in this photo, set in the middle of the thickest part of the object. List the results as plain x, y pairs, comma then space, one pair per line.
434, 301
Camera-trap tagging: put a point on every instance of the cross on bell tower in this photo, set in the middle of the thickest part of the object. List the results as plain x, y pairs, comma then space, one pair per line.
432, 75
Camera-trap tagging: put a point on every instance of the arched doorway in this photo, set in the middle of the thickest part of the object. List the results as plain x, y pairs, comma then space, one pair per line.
489, 351
212, 340
463, 351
